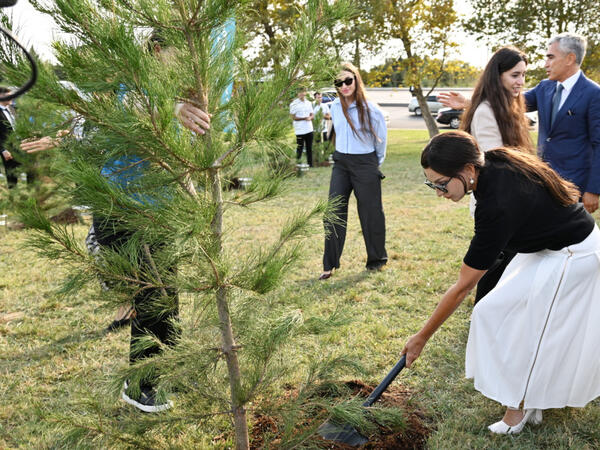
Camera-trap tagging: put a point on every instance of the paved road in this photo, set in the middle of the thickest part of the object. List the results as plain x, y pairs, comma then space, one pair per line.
402, 119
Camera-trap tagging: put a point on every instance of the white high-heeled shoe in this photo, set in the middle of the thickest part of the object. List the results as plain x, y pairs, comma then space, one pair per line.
533, 416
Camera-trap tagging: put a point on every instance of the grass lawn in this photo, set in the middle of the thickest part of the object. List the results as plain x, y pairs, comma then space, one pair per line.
52, 348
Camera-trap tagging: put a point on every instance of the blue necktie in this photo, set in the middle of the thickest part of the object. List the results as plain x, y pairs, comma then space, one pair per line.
556, 102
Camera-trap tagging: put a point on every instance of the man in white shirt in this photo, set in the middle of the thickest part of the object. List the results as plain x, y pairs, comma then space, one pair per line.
324, 109
302, 114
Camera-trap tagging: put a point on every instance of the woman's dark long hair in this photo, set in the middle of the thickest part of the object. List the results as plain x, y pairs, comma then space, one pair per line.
364, 113
509, 111
449, 153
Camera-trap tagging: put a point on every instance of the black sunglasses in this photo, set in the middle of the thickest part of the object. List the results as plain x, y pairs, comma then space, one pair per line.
440, 187
347, 81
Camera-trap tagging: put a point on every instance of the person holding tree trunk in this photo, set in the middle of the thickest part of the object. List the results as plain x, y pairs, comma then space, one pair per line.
360, 138
533, 341
147, 320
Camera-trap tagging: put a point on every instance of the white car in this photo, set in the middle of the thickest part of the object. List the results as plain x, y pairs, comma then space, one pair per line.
432, 102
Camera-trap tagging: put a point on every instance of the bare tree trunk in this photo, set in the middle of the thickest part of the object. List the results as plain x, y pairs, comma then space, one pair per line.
242, 441
427, 117
356, 61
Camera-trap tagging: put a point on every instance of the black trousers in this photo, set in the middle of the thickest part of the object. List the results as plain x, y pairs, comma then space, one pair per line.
358, 173
303, 140
11, 170
147, 321
492, 276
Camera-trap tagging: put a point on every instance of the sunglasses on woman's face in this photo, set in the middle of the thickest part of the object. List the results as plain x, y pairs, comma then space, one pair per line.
347, 81
442, 187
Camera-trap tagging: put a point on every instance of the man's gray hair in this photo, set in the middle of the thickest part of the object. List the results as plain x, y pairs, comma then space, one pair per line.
571, 43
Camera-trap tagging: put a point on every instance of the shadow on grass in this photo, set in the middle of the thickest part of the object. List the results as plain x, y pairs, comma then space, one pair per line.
337, 281
51, 349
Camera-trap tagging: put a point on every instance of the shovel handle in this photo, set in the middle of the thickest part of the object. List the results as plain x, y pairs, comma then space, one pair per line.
386, 382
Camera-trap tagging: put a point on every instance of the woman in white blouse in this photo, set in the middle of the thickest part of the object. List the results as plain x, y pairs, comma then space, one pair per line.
496, 118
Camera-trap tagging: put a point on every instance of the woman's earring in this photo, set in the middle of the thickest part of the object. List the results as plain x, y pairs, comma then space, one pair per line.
471, 181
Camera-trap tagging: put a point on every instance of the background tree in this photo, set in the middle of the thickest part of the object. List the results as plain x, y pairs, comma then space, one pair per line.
392, 73
230, 349
529, 24
269, 26
360, 35
423, 28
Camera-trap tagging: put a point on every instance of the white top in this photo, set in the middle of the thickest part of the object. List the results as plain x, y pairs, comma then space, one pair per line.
485, 130
484, 127
568, 87
301, 109
324, 107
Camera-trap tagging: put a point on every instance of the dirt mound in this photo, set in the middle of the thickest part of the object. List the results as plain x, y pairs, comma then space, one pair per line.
413, 437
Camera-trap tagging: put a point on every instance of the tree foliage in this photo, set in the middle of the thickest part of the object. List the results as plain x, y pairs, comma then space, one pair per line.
393, 74
529, 24
270, 26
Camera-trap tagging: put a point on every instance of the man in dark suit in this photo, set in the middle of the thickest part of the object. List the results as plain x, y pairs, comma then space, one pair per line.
568, 106
7, 123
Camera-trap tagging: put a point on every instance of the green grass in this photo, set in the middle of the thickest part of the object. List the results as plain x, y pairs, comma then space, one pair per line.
55, 351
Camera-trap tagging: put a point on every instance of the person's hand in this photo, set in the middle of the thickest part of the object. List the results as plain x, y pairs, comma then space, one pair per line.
38, 145
193, 118
7, 155
590, 202
453, 100
413, 348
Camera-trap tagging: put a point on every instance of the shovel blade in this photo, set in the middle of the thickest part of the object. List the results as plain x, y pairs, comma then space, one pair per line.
342, 433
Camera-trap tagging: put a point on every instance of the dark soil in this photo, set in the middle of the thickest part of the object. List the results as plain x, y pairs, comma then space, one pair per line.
66, 216
413, 437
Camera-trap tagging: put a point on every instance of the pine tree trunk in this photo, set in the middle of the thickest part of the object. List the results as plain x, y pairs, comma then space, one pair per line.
242, 441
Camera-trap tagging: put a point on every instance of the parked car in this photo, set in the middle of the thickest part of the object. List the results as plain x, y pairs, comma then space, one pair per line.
532, 118
432, 102
449, 116
329, 95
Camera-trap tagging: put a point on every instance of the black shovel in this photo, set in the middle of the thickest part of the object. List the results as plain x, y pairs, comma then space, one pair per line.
346, 433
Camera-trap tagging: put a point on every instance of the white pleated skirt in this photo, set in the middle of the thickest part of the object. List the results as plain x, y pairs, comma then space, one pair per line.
535, 338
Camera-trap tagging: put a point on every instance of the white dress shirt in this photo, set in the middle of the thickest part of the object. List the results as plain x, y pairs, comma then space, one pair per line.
345, 139
568, 85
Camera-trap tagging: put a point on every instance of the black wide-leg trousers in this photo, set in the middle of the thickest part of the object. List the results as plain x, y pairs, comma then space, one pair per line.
358, 173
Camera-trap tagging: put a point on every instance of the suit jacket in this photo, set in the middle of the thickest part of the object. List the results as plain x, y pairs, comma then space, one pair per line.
5, 130
572, 145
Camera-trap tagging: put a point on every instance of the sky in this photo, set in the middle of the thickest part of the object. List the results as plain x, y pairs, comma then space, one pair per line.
38, 30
